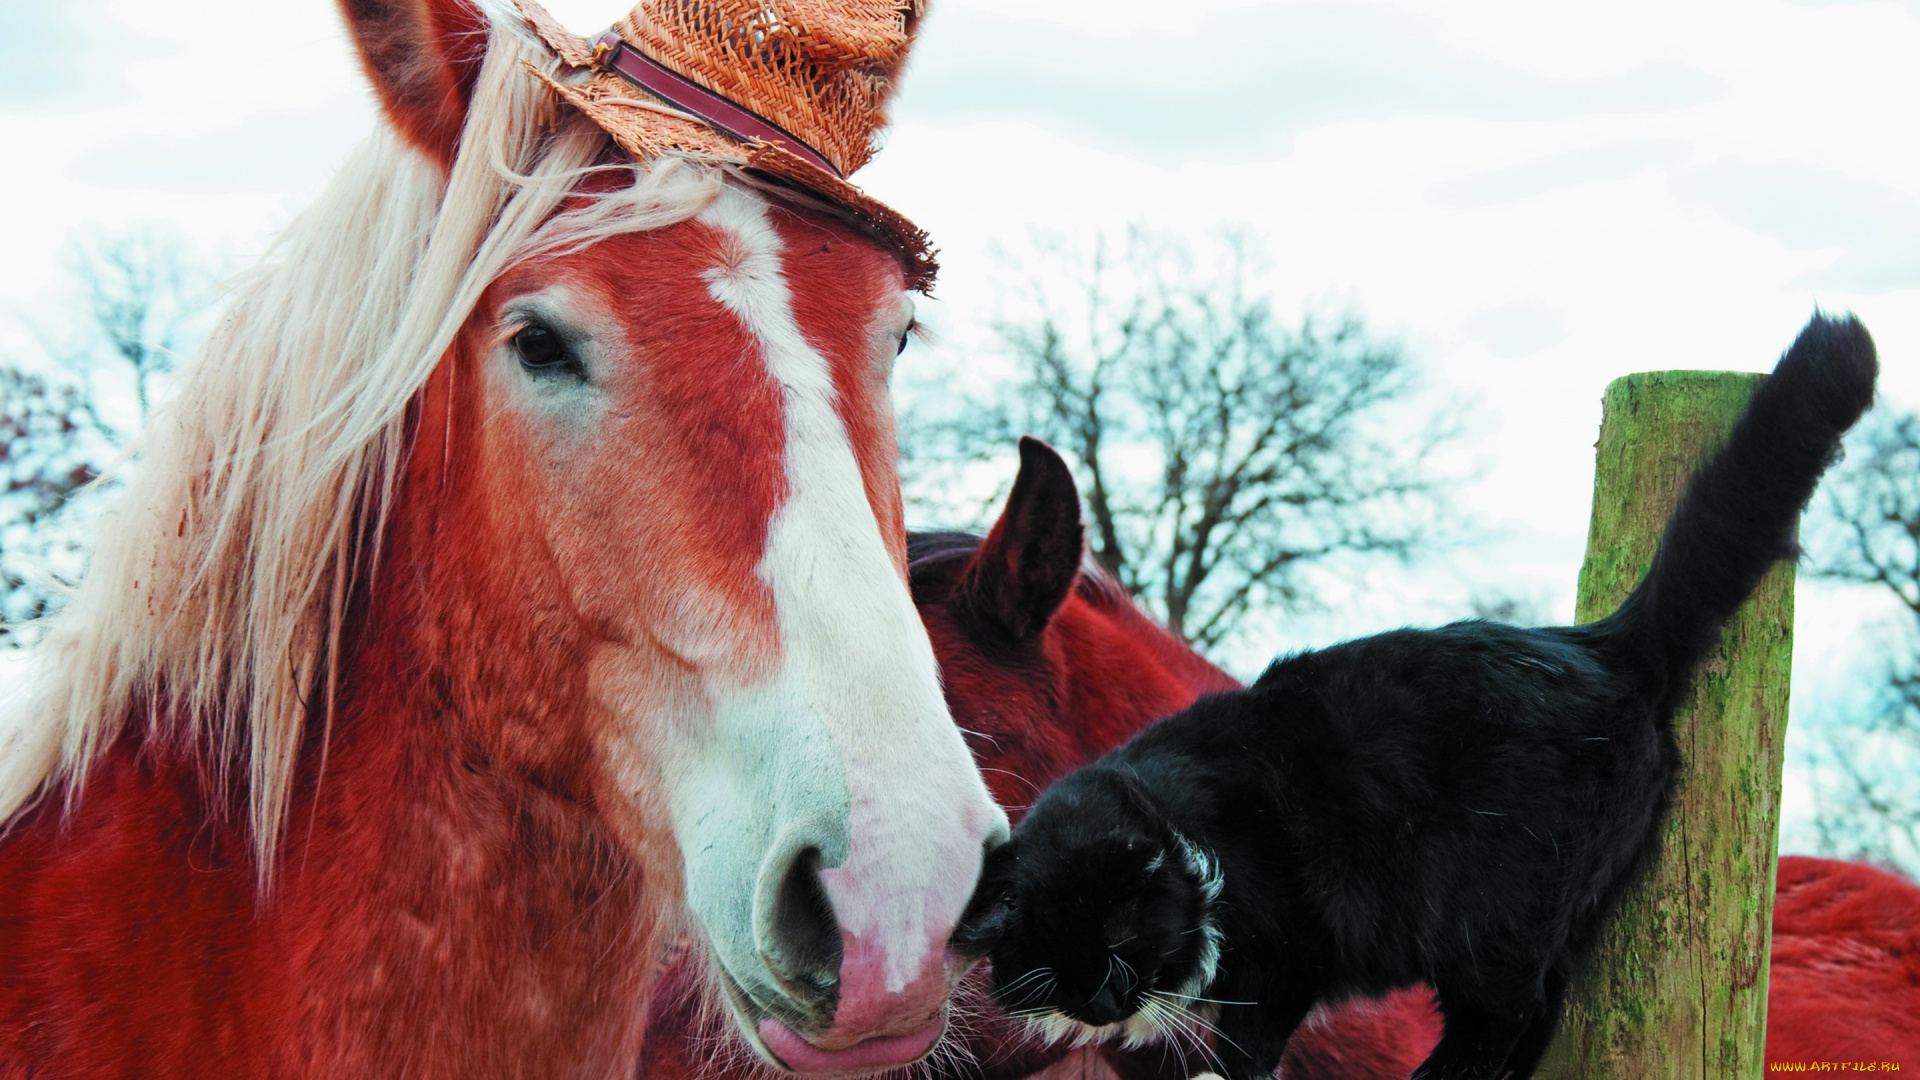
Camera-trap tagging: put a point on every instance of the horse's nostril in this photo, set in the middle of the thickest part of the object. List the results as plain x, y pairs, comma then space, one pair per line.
806, 937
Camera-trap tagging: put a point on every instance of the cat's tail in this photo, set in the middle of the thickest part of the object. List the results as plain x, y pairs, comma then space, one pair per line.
1741, 512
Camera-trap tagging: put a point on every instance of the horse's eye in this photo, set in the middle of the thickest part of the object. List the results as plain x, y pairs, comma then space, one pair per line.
541, 350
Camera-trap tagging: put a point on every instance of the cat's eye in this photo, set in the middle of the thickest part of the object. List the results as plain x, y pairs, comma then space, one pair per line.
543, 352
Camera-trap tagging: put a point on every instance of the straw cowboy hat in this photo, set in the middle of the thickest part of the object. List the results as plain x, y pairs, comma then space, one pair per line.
793, 89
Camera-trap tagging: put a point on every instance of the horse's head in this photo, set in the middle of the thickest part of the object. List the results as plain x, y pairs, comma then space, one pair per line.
1047, 662
669, 535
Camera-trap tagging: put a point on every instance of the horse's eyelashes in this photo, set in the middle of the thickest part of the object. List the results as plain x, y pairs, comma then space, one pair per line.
543, 352
907, 335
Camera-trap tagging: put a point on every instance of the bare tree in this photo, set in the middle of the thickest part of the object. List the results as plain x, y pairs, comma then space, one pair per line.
1222, 451
1869, 534
141, 296
145, 293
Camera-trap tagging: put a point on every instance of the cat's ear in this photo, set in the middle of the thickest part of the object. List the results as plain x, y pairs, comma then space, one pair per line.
1027, 564
423, 57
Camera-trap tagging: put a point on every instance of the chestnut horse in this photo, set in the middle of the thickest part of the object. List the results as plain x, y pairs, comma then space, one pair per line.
517, 583
1047, 664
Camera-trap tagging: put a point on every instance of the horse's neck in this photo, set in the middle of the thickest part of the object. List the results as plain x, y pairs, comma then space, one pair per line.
416, 855
428, 905
1122, 670
494, 896
1183, 665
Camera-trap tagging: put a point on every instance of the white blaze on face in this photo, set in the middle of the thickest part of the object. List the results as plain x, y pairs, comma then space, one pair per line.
848, 748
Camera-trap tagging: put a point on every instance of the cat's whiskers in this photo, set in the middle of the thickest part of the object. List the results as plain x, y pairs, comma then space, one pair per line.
1024, 979
1036, 982
1164, 1019
1052, 1026
1108, 977
1192, 1021
1159, 1016
1187, 1028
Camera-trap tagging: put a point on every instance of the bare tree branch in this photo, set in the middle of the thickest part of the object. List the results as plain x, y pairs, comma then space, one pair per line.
1868, 533
1222, 451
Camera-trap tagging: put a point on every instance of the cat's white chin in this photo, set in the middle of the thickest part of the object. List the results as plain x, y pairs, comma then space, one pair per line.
1169, 1021
1055, 1027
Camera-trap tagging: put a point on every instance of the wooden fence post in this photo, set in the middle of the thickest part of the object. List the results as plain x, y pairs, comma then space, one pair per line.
1678, 985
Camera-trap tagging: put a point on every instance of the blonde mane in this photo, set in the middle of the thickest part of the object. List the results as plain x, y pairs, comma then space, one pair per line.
223, 570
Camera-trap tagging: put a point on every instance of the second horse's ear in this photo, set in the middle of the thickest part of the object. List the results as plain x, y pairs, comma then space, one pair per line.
423, 58
1027, 564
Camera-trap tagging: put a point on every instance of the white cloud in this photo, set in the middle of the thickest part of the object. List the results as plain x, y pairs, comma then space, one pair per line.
1875, 226
1613, 160
274, 151
1240, 85
39, 44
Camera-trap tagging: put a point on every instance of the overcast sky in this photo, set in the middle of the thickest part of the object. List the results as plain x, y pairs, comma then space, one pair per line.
1535, 197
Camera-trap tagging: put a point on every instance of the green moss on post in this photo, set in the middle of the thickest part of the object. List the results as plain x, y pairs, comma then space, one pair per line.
1678, 986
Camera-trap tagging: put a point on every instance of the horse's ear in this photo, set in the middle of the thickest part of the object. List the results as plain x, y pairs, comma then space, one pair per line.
1025, 567
423, 57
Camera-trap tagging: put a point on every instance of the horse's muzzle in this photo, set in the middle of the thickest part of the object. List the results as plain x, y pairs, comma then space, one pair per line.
871, 1054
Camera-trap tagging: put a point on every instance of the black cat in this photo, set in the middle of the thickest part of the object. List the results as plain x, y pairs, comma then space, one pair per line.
1460, 806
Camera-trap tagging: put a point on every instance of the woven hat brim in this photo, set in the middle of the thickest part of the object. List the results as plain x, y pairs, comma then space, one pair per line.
648, 128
